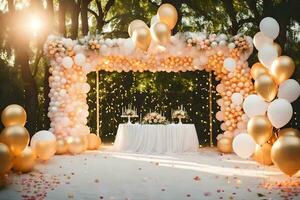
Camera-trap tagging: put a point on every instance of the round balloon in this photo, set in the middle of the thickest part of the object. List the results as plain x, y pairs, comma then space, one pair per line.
289, 90
262, 154
94, 141
260, 128
225, 145
16, 138
141, 37
229, 64
266, 87
254, 105
136, 24
267, 54
160, 33
243, 145
79, 59
61, 146
13, 115
289, 131
25, 161
285, 154
167, 13
6, 159
237, 99
44, 144
280, 112
270, 27
282, 68
76, 144
67, 62
258, 69
261, 39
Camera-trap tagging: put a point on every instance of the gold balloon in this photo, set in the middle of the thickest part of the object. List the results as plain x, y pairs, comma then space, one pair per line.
260, 128
136, 24
141, 37
225, 145
76, 144
262, 154
266, 87
16, 137
25, 161
45, 149
5, 159
13, 115
94, 141
161, 33
167, 13
289, 131
61, 146
258, 69
285, 154
278, 48
282, 68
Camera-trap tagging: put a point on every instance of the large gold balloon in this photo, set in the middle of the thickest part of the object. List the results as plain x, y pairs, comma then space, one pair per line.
13, 115
282, 68
161, 33
260, 128
136, 24
285, 154
262, 154
167, 13
289, 131
225, 145
16, 137
266, 87
45, 149
5, 159
94, 141
61, 146
278, 48
25, 161
76, 144
141, 37
258, 69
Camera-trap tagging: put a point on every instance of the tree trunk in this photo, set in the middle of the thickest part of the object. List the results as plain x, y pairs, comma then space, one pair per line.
61, 17
84, 17
30, 87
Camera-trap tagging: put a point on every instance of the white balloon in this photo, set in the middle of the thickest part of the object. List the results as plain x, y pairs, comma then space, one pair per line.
289, 90
229, 64
42, 136
154, 20
280, 112
237, 98
261, 39
79, 59
270, 27
85, 87
267, 54
67, 62
243, 145
254, 105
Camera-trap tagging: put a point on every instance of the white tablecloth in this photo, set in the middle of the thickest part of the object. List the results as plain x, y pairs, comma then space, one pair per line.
171, 138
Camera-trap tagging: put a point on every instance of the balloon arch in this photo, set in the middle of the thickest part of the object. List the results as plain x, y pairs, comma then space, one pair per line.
72, 60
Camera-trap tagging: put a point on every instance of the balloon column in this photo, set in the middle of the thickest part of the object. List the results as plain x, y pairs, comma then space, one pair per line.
160, 30
272, 79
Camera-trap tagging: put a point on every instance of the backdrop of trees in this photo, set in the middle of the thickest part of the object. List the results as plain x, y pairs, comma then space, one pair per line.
24, 70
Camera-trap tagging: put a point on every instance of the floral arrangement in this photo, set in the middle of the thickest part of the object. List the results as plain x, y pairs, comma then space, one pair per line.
154, 118
129, 112
179, 114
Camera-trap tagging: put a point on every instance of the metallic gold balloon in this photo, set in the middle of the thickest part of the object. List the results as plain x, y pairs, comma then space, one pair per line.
76, 144
135, 24
141, 37
167, 13
225, 145
260, 128
282, 68
44, 149
266, 87
13, 115
289, 131
161, 33
262, 154
5, 159
285, 154
258, 69
278, 48
16, 137
61, 146
25, 161
94, 141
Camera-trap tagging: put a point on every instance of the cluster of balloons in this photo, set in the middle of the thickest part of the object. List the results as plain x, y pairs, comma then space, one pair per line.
160, 30
271, 78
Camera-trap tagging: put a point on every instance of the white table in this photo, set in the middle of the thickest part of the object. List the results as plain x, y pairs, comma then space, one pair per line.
171, 138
